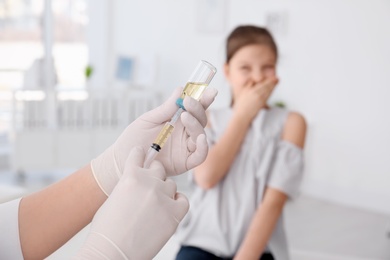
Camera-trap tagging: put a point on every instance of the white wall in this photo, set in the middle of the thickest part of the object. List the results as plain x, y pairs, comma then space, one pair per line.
334, 68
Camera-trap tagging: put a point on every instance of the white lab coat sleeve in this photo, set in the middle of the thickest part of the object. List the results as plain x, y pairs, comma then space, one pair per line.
10, 247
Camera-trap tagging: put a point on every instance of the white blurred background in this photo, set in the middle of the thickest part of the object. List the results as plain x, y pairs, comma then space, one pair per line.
334, 68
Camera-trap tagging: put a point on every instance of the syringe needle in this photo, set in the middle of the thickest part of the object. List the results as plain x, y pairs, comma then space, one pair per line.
176, 116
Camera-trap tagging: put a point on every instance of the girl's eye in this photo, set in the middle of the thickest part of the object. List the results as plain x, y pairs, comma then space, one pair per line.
245, 68
268, 67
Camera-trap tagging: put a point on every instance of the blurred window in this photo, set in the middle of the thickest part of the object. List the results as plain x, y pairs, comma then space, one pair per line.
22, 27
21, 32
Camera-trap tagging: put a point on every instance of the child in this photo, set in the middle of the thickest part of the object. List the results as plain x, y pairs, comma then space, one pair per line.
255, 162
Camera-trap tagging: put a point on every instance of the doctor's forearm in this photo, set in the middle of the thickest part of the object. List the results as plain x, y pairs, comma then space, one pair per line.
49, 218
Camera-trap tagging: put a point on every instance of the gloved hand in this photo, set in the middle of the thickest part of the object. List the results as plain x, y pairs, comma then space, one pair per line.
186, 147
140, 215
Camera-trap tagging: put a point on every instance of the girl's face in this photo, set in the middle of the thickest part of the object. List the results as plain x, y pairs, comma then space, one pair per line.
250, 65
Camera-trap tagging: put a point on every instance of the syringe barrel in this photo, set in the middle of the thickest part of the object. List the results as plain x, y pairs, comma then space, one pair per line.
162, 137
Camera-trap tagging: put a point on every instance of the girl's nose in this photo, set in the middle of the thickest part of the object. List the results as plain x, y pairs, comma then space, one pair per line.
257, 76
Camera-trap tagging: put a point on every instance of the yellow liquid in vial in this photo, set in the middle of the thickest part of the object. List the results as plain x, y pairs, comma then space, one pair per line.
163, 135
194, 90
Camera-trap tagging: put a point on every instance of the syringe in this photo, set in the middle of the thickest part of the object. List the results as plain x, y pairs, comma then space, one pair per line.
194, 88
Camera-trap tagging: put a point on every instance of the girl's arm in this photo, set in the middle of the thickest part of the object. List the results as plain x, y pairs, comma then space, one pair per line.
267, 215
262, 225
222, 154
49, 218
247, 105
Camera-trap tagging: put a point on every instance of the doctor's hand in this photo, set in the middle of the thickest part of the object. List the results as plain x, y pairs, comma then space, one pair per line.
185, 149
139, 216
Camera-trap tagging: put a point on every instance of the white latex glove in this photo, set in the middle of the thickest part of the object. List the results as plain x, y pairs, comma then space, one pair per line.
140, 215
185, 149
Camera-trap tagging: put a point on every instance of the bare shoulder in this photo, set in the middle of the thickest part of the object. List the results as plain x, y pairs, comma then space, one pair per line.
295, 129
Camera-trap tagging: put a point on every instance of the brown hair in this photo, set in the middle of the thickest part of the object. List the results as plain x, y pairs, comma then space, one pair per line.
245, 35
